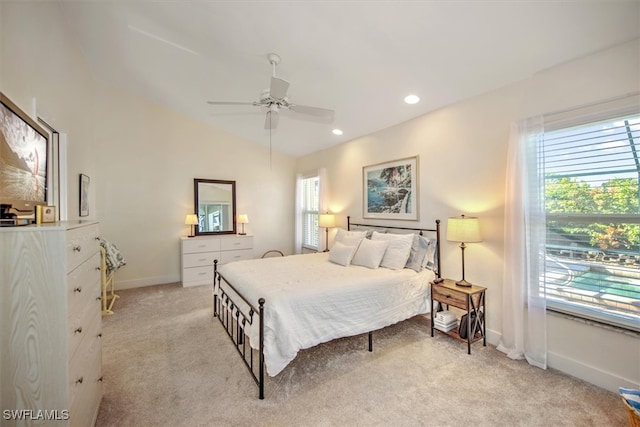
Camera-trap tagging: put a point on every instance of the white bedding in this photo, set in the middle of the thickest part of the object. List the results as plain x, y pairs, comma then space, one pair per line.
310, 300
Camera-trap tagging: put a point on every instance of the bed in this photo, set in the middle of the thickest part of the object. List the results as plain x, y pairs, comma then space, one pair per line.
272, 308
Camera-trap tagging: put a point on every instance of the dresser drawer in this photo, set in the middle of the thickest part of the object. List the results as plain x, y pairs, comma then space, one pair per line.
202, 259
233, 243
85, 324
82, 243
229, 256
83, 285
198, 274
196, 245
85, 378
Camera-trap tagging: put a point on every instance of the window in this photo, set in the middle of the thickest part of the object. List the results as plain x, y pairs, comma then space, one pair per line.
310, 205
591, 264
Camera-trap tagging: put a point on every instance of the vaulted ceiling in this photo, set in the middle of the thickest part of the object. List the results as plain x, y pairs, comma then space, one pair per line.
359, 58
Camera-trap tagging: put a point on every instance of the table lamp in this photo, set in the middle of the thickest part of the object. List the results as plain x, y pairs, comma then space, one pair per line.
243, 219
192, 220
464, 230
326, 221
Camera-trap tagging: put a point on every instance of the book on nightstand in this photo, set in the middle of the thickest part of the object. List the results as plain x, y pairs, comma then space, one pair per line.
445, 326
445, 316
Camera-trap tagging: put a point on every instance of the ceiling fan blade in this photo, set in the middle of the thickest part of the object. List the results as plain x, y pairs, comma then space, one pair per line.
278, 89
231, 103
314, 111
271, 122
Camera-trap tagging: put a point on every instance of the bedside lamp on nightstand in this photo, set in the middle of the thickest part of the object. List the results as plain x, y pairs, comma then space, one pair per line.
192, 220
463, 229
326, 221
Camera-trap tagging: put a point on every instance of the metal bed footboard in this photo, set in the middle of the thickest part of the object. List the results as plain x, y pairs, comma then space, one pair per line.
235, 321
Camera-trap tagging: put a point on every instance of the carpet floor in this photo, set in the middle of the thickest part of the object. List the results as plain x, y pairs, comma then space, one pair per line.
167, 362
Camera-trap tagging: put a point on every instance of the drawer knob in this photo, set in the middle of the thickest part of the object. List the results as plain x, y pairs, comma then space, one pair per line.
100, 379
100, 335
98, 269
97, 238
98, 298
79, 380
78, 330
78, 289
77, 248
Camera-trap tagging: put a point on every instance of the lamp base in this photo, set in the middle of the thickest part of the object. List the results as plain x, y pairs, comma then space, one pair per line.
242, 234
463, 283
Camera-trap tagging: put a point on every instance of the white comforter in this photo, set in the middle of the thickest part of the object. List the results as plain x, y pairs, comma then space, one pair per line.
310, 300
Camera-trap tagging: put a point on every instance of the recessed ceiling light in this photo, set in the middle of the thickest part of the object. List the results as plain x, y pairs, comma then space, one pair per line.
337, 132
411, 99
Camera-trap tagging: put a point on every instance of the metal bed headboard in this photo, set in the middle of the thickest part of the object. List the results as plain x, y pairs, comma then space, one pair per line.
421, 231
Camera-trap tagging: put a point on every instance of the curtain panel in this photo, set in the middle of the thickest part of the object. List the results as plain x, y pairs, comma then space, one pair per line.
524, 301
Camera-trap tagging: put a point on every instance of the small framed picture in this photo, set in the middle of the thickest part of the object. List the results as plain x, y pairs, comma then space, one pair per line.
84, 195
45, 214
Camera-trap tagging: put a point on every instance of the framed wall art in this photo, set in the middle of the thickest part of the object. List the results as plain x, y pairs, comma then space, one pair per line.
390, 190
84, 195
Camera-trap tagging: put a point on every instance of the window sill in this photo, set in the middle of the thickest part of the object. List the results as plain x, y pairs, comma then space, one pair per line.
559, 312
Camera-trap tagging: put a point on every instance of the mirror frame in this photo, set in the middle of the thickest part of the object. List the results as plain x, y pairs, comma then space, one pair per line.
196, 186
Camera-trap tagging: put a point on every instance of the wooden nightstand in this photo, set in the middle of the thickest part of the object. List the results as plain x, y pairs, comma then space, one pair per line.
471, 299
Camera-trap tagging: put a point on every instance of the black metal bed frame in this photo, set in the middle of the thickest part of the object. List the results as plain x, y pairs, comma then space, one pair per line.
234, 320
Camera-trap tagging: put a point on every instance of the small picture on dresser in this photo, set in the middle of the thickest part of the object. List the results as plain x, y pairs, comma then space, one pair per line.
84, 195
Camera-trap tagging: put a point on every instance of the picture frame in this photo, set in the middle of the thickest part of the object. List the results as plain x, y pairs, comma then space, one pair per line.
84, 195
390, 190
45, 214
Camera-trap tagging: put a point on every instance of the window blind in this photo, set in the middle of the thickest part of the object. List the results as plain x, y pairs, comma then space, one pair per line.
591, 193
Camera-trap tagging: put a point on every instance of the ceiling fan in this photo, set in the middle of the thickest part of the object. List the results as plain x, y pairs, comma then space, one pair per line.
275, 99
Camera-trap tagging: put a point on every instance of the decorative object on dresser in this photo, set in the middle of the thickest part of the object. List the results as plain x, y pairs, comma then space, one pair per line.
51, 328
199, 253
243, 219
191, 220
326, 221
471, 299
390, 190
271, 308
84, 195
45, 214
464, 230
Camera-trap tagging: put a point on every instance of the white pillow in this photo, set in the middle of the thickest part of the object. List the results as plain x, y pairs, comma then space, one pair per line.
341, 254
398, 250
344, 234
419, 249
370, 252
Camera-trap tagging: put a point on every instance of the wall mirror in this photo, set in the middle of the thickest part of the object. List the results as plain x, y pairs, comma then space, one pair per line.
215, 205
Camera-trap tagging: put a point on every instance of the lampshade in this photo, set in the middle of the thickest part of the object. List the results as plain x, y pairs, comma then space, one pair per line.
463, 229
327, 220
192, 219
243, 219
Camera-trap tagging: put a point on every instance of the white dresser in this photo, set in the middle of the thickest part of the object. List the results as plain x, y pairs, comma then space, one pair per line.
51, 325
199, 252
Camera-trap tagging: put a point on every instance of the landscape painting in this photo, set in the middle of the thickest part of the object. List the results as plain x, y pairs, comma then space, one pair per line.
391, 190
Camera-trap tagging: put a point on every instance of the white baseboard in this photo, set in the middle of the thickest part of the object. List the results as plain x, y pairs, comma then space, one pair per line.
146, 281
588, 373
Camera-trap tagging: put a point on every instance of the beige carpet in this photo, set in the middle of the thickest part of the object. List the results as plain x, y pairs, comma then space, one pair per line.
166, 362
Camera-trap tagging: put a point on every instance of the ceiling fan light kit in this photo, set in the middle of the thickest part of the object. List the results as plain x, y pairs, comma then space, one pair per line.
275, 98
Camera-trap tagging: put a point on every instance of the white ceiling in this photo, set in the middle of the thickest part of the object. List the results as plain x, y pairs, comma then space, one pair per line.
359, 58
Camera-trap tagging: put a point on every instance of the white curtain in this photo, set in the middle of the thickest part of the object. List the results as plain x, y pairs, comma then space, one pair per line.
298, 215
524, 328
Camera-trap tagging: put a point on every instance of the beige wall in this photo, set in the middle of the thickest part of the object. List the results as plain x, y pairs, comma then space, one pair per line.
463, 150
141, 158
